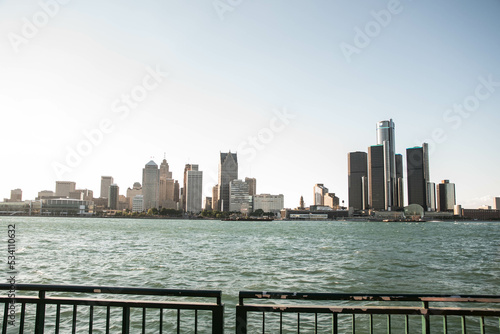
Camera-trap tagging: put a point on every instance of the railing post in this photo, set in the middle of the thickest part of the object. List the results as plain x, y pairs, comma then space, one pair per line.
40, 313
241, 320
126, 320
426, 326
218, 320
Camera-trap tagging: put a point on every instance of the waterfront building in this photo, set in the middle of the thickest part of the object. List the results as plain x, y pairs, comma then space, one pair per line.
132, 192
193, 191
138, 203
167, 187
82, 194
66, 207
106, 181
252, 185
431, 196
399, 201
496, 203
207, 204
387, 139
151, 185
446, 199
16, 195
239, 198
357, 171
302, 205
319, 193
417, 163
269, 203
63, 188
228, 171
113, 196
46, 194
122, 203
332, 201
215, 197
376, 193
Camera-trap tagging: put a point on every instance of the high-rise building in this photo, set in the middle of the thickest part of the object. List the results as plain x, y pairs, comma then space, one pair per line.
151, 185
207, 204
194, 189
228, 171
269, 203
386, 137
357, 171
106, 181
239, 198
177, 192
63, 188
215, 198
496, 203
252, 185
113, 196
417, 165
376, 193
16, 195
331, 201
446, 199
320, 192
167, 187
399, 197
132, 192
138, 203
431, 196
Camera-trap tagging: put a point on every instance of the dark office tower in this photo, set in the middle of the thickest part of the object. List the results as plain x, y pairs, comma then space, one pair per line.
399, 195
252, 185
228, 171
113, 195
357, 171
376, 196
446, 196
417, 165
386, 138
187, 168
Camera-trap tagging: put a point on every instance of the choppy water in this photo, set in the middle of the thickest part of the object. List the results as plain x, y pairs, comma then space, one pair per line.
332, 256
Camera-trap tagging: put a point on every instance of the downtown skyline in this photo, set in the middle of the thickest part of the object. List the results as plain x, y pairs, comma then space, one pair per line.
178, 79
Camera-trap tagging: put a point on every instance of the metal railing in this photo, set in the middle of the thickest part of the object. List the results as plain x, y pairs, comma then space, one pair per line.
61, 310
366, 313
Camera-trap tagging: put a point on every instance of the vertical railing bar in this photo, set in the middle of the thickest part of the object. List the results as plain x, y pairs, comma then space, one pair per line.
335, 324
371, 324
481, 324
73, 325
445, 324
195, 321
91, 318
21, 322
388, 324
315, 323
426, 326
161, 321
407, 324
353, 323
40, 313
263, 322
108, 316
126, 320
298, 323
464, 327
178, 321
281, 322
58, 318
143, 320
5, 318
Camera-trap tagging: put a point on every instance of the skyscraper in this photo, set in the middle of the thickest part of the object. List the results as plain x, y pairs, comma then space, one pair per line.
446, 196
357, 171
239, 198
320, 192
496, 203
252, 185
132, 192
106, 181
399, 199
376, 194
167, 187
215, 197
386, 137
113, 196
151, 185
417, 165
193, 191
228, 171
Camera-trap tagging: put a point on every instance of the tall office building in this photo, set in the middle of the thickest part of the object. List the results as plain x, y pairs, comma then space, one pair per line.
417, 165
63, 188
357, 169
252, 185
239, 198
320, 192
106, 181
215, 197
207, 204
496, 203
193, 190
228, 171
376, 178
446, 199
399, 197
16, 195
167, 187
114, 194
331, 201
431, 196
151, 185
132, 192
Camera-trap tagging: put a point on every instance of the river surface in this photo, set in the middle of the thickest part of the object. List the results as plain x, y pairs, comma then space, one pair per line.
321, 256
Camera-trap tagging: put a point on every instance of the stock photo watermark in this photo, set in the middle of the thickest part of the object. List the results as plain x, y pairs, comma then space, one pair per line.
122, 107
31, 26
372, 29
11, 275
223, 7
278, 123
454, 116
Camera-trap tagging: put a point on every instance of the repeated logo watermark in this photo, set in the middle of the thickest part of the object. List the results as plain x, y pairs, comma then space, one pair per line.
364, 36
224, 7
122, 107
455, 115
31, 26
250, 147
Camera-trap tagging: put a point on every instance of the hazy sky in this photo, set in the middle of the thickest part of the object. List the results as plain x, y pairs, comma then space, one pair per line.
91, 88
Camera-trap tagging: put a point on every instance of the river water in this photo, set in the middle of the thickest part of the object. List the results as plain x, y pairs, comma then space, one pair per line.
321, 256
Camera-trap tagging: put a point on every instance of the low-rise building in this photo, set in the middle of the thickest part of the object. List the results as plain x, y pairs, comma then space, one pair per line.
269, 203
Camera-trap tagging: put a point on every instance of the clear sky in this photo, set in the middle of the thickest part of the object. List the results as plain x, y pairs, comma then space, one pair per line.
292, 86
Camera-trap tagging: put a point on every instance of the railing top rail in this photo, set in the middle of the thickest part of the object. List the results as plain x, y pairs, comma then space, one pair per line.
117, 290
368, 297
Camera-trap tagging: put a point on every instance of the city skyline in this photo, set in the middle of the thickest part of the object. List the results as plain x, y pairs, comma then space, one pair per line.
101, 87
